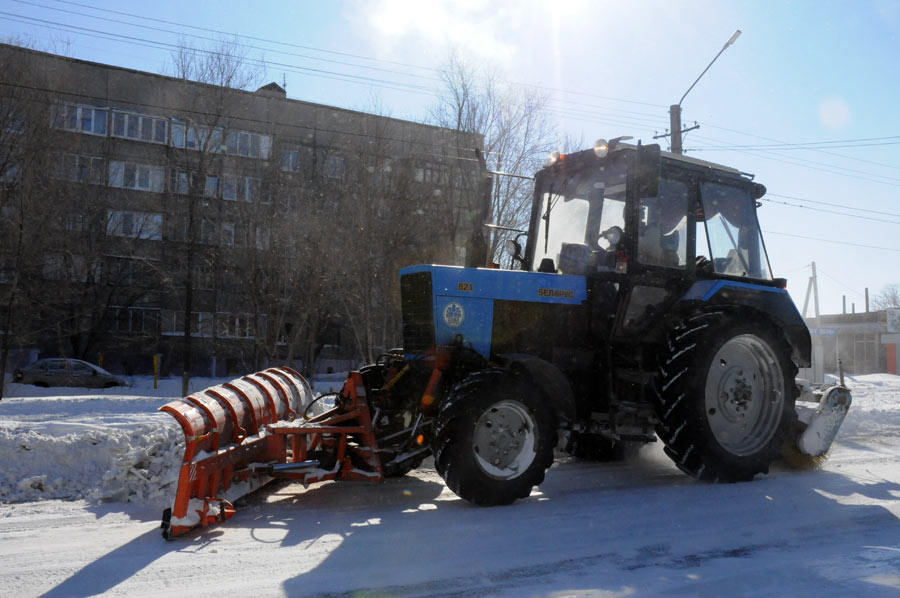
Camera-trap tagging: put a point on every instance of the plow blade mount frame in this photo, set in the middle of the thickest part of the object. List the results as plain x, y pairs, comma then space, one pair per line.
243, 434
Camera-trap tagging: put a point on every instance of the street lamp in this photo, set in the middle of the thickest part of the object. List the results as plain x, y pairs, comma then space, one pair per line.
675, 109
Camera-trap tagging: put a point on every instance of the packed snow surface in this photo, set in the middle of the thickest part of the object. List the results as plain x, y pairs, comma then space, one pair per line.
85, 475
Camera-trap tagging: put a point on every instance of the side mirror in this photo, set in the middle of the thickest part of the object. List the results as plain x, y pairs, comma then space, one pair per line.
646, 170
512, 249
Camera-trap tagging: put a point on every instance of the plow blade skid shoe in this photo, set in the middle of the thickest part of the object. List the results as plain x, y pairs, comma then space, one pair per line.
226, 432
823, 423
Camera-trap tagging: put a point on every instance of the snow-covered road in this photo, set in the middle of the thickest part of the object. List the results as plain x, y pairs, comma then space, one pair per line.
638, 528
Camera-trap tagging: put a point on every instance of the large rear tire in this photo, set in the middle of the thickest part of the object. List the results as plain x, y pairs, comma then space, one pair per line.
727, 397
494, 438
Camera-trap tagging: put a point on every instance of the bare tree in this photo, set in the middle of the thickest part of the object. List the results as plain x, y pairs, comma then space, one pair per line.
380, 209
226, 63
224, 66
517, 137
27, 203
888, 298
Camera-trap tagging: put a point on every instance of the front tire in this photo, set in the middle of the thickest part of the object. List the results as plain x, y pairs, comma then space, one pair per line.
494, 438
727, 397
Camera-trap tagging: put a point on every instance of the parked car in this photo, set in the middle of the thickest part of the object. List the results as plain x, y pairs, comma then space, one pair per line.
66, 372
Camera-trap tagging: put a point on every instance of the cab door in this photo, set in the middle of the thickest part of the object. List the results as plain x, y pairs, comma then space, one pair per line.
662, 246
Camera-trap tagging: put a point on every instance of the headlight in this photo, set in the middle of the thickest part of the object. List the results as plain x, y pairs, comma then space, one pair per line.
601, 148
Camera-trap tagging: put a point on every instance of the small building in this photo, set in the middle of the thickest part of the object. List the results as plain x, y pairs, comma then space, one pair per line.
859, 341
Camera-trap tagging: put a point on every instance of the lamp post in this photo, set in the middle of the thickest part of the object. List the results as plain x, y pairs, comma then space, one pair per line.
675, 109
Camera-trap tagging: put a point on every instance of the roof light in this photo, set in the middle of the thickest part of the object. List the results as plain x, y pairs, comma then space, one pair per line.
553, 158
601, 148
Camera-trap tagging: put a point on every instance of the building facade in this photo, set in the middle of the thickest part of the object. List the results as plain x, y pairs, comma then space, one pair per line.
218, 229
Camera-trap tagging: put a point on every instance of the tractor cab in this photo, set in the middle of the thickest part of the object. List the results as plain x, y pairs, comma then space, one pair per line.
644, 227
620, 205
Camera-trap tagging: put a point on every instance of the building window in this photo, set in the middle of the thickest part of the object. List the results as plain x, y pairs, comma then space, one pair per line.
139, 127
229, 187
74, 268
9, 173
428, 175
245, 188
251, 189
74, 222
204, 278
204, 139
210, 188
136, 320
125, 271
12, 119
178, 182
333, 168
83, 169
137, 225
228, 234
201, 323
178, 134
290, 160
234, 234
82, 119
250, 145
235, 325
262, 237
142, 177
208, 231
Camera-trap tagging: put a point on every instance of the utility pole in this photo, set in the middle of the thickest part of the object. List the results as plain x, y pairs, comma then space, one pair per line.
675, 109
812, 288
815, 280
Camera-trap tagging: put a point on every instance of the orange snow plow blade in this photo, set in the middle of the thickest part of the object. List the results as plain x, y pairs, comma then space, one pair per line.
241, 435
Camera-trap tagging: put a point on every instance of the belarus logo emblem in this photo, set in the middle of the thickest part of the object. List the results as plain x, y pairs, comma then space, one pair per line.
454, 314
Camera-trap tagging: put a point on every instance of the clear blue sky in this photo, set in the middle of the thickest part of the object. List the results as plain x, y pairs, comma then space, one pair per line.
800, 73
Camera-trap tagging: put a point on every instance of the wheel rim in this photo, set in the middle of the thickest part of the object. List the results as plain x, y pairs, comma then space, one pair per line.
744, 395
504, 440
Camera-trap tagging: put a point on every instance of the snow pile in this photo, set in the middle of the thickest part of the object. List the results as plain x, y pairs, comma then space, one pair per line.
875, 410
100, 445
94, 462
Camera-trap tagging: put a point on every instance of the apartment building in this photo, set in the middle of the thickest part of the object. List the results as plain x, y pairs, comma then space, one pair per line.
214, 228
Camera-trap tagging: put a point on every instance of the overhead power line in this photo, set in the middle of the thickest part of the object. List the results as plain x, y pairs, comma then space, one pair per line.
820, 150
191, 28
834, 205
617, 117
832, 241
769, 148
248, 46
244, 36
290, 67
823, 167
796, 205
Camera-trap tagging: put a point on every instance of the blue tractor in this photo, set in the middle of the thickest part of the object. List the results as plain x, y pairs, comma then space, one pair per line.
644, 308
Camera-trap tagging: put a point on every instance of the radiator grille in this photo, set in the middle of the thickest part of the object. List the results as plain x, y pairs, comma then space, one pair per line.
418, 312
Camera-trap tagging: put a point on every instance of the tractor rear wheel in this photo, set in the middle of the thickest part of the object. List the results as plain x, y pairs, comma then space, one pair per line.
727, 397
493, 439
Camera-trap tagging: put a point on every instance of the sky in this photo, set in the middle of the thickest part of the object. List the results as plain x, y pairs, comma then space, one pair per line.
805, 99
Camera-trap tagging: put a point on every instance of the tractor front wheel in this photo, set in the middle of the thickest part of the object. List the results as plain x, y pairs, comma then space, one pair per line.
494, 438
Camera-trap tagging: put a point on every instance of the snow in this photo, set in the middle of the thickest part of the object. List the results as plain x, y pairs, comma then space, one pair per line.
86, 473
